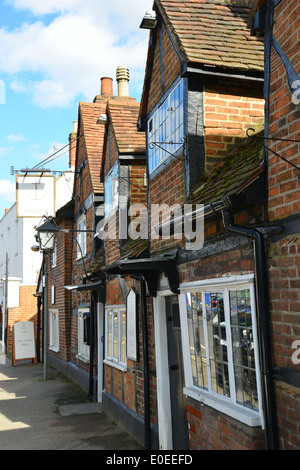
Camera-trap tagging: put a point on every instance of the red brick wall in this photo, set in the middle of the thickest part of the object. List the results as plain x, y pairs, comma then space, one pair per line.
210, 430
284, 202
230, 108
27, 311
171, 69
60, 276
128, 386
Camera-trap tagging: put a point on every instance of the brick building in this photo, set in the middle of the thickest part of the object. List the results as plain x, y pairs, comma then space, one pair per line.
192, 324
129, 355
282, 71
203, 89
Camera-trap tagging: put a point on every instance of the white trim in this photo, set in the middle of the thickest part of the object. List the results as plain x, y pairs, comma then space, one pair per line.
219, 281
162, 372
222, 403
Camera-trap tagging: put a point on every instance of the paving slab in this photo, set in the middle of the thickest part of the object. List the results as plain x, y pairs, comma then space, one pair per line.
53, 415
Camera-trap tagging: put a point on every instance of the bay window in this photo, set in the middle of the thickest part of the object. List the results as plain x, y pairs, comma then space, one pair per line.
166, 128
221, 345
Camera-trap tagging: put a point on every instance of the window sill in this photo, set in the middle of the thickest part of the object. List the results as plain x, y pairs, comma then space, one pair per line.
116, 365
240, 413
83, 358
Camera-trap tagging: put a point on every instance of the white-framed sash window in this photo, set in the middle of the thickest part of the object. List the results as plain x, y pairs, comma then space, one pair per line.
54, 330
219, 336
115, 337
83, 329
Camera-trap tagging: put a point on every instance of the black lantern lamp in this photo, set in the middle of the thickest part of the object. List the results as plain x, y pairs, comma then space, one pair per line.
46, 235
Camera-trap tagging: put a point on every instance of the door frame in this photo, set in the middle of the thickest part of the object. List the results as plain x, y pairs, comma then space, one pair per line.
100, 349
162, 371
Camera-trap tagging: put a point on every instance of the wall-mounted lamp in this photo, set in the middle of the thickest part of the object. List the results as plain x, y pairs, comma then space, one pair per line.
46, 235
149, 21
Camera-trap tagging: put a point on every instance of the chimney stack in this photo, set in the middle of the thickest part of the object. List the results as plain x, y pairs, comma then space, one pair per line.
73, 145
123, 80
106, 86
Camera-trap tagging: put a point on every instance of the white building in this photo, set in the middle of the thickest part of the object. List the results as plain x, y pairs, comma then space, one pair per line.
17, 236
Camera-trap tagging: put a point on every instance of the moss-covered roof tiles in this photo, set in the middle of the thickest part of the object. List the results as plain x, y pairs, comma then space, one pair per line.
237, 171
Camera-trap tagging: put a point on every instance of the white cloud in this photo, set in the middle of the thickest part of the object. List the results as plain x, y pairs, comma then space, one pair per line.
7, 190
86, 40
15, 138
4, 151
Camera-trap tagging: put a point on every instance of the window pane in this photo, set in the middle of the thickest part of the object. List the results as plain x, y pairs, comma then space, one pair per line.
243, 348
166, 128
217, 342
109, 334
196, 336
123, 337
116, 336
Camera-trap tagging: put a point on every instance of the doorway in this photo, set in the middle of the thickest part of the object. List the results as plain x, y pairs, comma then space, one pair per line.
180, 435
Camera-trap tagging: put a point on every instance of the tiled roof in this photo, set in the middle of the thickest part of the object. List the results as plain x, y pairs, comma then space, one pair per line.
214, 33
242, 166
124, 116
93, 134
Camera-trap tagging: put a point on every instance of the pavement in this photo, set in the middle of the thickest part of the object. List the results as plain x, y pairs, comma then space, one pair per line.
55, 414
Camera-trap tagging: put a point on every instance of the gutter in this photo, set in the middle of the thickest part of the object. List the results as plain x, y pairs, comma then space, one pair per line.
263, 324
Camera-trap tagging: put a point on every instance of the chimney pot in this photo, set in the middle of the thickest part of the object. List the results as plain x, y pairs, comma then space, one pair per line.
106, 86
123, 80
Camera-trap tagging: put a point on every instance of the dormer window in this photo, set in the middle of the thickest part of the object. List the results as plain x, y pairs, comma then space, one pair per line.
166, 128
111, 189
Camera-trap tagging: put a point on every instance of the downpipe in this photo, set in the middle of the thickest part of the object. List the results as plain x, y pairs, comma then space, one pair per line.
263, 323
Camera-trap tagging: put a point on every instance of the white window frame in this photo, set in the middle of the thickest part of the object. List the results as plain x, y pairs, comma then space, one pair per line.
110, 357
111, 189
166, 127
81, 237
227, 405
54, 256
54, 330
83, 348
53, 294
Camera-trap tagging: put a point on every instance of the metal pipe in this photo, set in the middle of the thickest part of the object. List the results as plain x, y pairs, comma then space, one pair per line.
146, 371
263, 324
92, 345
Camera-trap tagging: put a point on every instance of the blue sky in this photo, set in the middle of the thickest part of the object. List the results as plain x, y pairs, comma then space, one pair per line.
53, 54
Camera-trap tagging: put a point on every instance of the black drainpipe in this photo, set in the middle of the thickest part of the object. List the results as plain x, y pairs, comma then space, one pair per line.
146, 371
263, 324
92, 345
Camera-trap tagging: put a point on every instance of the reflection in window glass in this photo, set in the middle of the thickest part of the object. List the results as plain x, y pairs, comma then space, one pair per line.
166, 128
109, 335
243, 348
196, 335
115, 338
217, 342
221, 344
